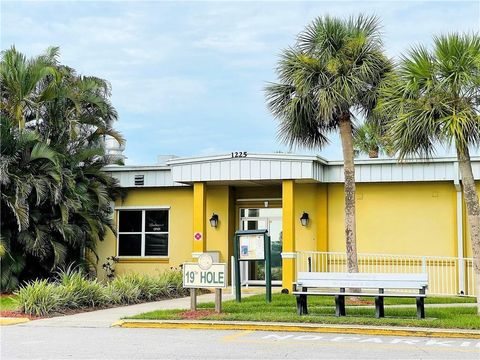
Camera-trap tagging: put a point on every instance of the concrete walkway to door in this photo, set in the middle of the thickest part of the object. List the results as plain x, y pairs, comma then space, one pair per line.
106, 317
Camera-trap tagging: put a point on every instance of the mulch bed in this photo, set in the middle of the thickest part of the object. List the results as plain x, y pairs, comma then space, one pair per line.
359, 302
195, 315
17, 314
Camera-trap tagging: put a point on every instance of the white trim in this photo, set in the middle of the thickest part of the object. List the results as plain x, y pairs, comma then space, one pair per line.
196, 255
276, 156
259, 199
460, 250
160, 207
289, 255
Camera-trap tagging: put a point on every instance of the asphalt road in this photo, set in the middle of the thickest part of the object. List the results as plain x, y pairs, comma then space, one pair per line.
24, 342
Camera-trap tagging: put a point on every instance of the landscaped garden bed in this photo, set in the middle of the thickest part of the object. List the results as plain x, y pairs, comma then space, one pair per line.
322, 311
72, 292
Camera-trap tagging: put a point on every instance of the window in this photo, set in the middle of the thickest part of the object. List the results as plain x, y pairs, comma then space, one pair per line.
143, 232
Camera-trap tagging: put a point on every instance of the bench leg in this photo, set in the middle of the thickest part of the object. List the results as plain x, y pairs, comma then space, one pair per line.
421, 307
304, 305
379, 308
339, 305
299, 305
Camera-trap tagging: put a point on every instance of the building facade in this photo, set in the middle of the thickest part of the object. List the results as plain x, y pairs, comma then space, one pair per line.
412, 208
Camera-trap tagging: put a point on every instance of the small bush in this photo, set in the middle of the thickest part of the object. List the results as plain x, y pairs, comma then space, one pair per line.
124, 290
79, 291
39, 298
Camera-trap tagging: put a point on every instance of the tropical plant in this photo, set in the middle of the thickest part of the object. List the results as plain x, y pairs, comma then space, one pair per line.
332, 72
56, 200
370, 139
433, 98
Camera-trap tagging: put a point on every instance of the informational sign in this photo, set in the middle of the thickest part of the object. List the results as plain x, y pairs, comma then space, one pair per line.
252, 247
196, 277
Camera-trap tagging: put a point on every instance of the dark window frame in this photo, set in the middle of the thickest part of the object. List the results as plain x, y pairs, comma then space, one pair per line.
143, 232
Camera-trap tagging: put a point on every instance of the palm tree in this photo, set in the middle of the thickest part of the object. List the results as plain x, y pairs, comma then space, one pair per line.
333, 71
30, 177
370, 139
21, 90
434, 99
367, 140
56, 200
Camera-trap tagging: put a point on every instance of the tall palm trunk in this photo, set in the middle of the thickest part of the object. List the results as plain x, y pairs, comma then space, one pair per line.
349, 189
473, 212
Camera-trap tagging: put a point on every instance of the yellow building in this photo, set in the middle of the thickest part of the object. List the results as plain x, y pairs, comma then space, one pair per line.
408, 214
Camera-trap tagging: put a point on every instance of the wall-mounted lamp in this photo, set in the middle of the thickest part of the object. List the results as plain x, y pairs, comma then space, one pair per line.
214, 220
304, 219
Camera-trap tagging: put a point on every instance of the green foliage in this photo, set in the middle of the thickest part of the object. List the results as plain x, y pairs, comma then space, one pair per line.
8, 303
334, 69
40, 298
72, 289
371, 138
55, 197
78, 291
433, 97
125, 289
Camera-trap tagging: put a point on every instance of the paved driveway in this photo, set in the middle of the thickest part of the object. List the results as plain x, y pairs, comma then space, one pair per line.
37, 342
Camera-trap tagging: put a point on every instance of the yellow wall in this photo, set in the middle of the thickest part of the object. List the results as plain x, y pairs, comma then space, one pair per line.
392, 218
180, 201
397, 218
311, 199
218, 239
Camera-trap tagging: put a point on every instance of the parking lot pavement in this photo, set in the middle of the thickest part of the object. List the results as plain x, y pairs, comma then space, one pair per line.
24, 342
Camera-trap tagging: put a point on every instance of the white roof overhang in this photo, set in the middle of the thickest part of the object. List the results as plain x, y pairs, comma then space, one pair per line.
264, 169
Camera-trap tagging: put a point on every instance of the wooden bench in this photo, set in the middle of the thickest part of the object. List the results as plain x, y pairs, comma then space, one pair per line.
311, 283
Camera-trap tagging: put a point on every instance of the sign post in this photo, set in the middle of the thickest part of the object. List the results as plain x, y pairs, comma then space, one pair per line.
205, 274
251, 245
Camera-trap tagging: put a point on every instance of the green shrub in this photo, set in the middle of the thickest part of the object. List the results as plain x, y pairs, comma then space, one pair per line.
79, 291
73, 290
39, 298
124, 290
171, 282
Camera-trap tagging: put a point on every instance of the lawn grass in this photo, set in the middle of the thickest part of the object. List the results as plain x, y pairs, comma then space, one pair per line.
321, 310
8, 303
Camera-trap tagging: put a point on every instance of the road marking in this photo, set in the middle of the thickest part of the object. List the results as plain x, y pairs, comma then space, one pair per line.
366, 341
355, 345
235, 336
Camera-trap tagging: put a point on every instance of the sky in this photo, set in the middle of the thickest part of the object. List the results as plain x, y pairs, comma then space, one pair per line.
188, 78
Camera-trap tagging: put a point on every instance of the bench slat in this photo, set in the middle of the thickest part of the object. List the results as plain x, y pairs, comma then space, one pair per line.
357, 294
362, 280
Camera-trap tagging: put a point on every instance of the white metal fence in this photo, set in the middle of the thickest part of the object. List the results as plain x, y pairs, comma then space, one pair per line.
446, 275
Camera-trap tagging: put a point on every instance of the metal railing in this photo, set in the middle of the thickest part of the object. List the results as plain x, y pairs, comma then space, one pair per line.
444, 277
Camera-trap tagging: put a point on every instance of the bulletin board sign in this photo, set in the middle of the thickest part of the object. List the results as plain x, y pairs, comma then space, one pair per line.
252, 247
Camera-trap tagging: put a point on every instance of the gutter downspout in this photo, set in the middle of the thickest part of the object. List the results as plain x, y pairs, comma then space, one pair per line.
459, 212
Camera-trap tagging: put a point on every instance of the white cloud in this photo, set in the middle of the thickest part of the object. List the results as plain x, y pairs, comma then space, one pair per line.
158, 94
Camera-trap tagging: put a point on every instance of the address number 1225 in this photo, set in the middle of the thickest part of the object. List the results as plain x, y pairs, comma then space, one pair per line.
239, 154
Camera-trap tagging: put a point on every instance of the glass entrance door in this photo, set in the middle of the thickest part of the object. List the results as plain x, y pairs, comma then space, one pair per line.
253, 273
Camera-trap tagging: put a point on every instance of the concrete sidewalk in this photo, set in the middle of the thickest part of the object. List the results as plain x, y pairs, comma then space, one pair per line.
106, 317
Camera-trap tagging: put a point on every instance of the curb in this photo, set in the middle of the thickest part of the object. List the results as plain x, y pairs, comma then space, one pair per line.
291, 327
5, 321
